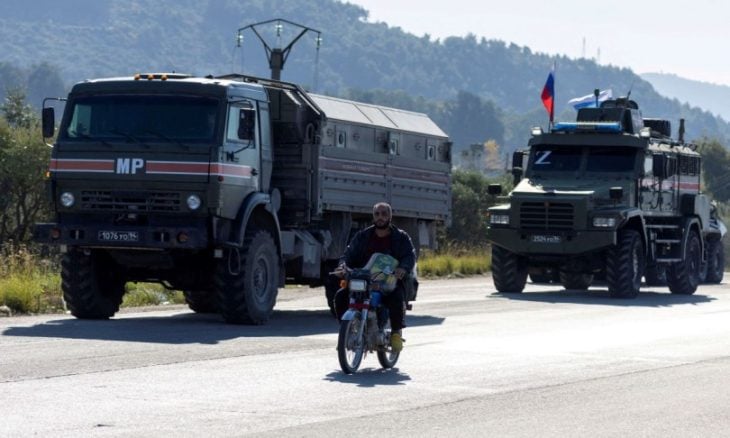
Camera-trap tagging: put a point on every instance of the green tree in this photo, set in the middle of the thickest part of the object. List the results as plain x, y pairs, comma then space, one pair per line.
23, 163
470, 201
17, 112
715, 162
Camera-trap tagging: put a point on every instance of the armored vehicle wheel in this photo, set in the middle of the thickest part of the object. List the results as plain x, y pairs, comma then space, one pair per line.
684, 277
656, 275
715, 262
201, 301
92, 288
575, 281
625, 265
509, 270
246, 280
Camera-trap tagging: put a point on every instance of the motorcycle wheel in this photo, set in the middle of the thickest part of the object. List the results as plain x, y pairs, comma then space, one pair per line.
350, 345
386, 356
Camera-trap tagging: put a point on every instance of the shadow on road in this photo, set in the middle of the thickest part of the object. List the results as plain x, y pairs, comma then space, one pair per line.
370, 377
601, 297
191, 328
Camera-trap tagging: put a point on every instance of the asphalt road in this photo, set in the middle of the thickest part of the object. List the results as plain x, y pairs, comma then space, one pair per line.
547, 362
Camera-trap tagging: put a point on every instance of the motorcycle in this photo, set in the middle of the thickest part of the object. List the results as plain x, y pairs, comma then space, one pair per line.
365, 326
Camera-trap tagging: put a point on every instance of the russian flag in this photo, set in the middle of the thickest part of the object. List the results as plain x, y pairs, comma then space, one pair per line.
589, 101
548, 95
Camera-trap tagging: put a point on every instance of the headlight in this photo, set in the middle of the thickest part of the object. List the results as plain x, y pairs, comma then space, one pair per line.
499, 219
358, 285
193, 202
604, 222
67, 199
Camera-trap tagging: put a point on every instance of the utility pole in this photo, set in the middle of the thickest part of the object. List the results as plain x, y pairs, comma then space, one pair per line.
277, 55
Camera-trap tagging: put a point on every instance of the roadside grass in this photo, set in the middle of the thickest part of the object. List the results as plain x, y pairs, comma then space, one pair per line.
30, 283
454, 262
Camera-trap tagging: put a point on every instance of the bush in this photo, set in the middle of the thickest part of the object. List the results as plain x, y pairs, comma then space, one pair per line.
150, 294
454, 262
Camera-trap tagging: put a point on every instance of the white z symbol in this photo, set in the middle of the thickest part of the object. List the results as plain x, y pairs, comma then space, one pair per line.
542, 157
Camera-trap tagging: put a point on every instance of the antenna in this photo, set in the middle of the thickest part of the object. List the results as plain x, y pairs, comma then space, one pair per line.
277, 56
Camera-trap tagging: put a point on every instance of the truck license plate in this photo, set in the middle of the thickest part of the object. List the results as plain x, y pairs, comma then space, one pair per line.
119, 236
546, 238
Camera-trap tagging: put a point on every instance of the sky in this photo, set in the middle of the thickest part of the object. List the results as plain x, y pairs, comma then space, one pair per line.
690, 38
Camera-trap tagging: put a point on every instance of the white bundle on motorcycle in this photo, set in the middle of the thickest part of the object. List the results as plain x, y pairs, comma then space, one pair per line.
382, 270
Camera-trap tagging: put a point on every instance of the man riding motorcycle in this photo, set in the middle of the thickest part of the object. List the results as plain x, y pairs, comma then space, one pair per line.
381, 237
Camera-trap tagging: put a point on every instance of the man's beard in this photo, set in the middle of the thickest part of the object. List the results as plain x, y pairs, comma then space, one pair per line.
384, 226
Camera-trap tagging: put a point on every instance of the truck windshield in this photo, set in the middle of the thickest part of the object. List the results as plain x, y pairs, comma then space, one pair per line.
611, 159
556, 159
175, 119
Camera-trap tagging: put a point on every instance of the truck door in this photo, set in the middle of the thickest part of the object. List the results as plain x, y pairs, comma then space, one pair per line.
239, 169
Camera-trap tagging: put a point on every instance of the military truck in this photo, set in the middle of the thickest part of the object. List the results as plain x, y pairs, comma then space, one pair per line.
609, 195
227, 187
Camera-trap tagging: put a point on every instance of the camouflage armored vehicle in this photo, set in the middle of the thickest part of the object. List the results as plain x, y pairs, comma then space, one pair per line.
227, 187
609, 195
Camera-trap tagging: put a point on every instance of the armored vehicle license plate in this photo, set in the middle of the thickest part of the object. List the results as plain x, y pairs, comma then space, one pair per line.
119, 236
546, 238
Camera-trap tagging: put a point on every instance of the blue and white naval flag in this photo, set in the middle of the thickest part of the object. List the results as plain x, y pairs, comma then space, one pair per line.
589, 101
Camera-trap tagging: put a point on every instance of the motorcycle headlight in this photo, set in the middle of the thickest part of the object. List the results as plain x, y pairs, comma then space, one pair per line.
358, 285
67, 199
194, 202
604, 222
499, 219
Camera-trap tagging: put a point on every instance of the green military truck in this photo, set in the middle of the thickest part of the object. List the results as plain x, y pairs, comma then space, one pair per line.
227, 187
610, 195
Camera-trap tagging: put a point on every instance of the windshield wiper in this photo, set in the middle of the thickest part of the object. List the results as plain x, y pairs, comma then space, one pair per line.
129, 137
168, 138
86, 136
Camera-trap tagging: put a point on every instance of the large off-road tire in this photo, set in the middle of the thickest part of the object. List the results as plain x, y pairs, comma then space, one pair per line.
715, 262
509, 270
625, 263
684, 277
201, 301
656, 275
92, 285
331, 286
350, 345
575, 281
246, 280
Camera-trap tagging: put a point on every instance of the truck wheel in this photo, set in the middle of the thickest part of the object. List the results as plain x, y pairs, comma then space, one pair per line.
92, 287
715, 262
625, 265
684, 277
246, 281
201, 301
575, 281
509, 270
331, 285
656, 275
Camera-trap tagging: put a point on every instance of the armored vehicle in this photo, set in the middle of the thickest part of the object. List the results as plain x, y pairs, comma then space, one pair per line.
609, 195
228, 187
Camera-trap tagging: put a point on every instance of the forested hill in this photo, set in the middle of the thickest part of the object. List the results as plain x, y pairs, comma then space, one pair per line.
91, 38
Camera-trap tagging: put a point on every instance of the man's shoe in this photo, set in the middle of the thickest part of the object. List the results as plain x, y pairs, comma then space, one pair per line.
396, 342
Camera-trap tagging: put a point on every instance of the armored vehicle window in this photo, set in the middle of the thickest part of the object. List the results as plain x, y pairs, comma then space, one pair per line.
611, 159
556, 159
152, 118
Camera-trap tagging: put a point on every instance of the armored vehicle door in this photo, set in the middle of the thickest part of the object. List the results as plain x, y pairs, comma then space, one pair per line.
657, 189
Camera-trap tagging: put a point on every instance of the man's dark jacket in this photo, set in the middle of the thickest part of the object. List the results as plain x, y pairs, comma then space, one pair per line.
401, 248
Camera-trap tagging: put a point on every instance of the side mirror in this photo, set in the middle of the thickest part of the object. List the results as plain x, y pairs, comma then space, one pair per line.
517, 157
48, 120
516, 174
659, 166
494, 189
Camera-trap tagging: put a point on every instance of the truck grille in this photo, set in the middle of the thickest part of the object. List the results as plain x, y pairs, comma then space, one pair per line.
117, 201
546, 215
